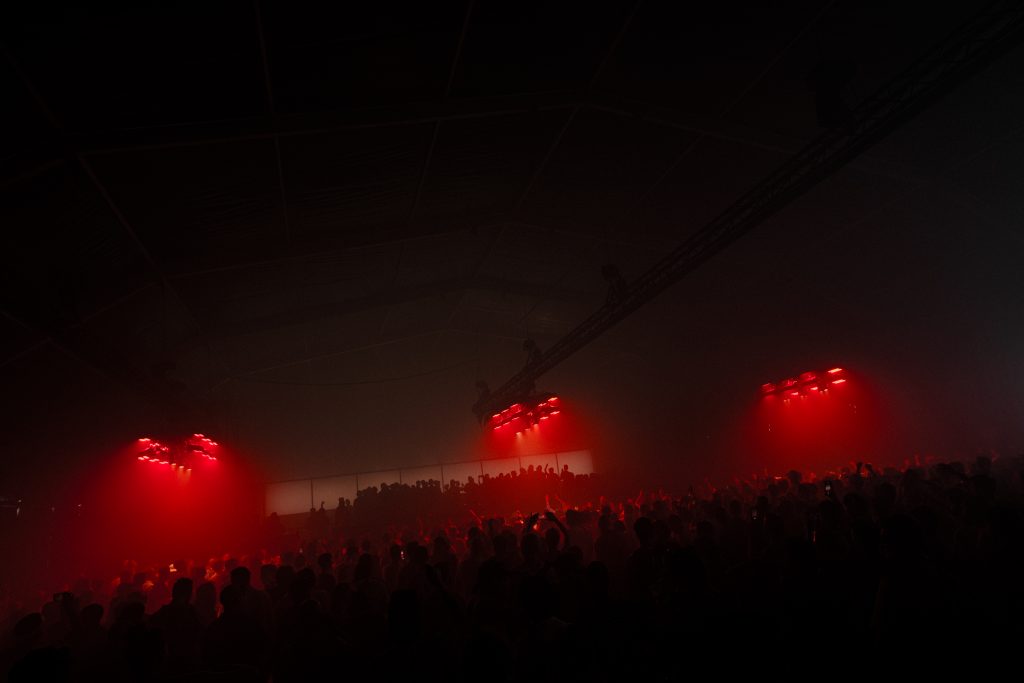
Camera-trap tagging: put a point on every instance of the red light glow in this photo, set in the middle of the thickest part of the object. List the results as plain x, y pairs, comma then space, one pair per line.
838, 381
834, 371
159, 507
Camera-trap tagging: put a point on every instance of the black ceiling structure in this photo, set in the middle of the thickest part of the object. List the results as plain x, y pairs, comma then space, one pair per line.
198, 198
973, 46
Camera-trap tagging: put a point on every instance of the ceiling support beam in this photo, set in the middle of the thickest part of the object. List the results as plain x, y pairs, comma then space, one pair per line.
973, 46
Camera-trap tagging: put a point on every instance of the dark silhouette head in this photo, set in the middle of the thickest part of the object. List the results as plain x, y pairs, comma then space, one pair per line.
240, 577
182, 591
268, 575
324, 561
644, 530
29, 627
230, 599
92, 615
207, 591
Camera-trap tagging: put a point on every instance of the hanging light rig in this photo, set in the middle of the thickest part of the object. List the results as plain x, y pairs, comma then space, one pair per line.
809, 383
177, 458
525, 414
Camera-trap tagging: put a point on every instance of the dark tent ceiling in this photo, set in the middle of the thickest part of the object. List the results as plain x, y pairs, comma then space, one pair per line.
214, 196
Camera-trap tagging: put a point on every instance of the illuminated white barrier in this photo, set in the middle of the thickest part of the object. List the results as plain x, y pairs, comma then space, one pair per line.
289, 497
297, 496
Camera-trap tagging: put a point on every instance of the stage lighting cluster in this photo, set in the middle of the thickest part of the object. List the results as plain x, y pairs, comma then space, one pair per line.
155, 452
809, 383
178, 458
200, 448
521, 416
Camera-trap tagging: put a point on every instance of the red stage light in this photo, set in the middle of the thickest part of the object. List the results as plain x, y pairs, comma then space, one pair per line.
544, 417
555, 412
145, 439
142, 457
163, 462
809, 381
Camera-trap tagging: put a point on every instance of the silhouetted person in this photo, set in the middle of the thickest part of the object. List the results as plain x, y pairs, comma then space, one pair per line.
235, 641
206, 603
308, 641
325, 580
256, 604
178, 623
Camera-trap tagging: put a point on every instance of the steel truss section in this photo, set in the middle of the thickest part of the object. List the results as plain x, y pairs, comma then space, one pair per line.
973, 46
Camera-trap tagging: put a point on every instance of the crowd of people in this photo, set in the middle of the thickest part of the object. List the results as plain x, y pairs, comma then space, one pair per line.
776, 575
429, 503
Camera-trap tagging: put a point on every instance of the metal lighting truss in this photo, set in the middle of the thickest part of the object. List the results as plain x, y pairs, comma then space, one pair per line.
973, 46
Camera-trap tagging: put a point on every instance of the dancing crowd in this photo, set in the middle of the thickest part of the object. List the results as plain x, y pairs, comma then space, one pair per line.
783, 575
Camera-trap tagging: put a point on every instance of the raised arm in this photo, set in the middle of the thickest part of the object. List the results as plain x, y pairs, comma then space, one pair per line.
553, 518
